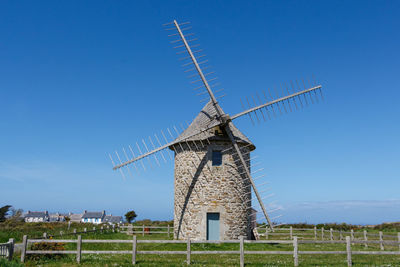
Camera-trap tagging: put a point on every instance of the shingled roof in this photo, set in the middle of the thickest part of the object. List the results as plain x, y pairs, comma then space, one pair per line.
113, 219
37, 214
93, 214
206, 119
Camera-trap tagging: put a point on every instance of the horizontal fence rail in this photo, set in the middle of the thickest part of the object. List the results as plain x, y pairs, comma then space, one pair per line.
85, 230
143, 229
323, 234
294, 243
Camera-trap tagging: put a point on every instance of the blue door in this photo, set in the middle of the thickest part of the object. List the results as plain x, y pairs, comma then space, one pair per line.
212, 226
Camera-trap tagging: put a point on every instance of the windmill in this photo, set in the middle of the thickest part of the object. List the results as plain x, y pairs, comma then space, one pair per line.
213, 181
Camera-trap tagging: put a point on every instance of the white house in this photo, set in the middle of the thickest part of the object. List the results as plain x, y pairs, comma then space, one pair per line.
93, 217
110, 219
75, 217
37, 216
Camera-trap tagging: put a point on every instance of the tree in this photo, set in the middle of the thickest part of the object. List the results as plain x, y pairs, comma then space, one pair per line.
16, 213
130, 216
3, 212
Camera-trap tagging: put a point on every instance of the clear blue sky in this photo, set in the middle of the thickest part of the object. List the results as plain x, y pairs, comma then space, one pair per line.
79, 79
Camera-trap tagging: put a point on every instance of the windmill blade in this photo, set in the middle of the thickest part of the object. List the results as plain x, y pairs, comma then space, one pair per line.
165, 146
247, 171
197, 66
277, 101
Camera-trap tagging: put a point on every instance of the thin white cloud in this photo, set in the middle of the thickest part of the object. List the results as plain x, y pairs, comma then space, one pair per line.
34, 170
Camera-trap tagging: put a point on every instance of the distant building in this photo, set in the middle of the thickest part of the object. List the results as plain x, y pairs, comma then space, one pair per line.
112, 219
93, 217
75, 217
57, 217
37, 216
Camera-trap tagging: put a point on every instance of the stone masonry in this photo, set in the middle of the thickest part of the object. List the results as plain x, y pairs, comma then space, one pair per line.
201, 188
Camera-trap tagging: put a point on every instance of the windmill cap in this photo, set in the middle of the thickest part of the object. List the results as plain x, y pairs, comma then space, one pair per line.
207, 118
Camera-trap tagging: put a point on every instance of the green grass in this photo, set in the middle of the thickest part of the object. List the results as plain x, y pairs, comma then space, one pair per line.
208, 260
219, 260
6, 263
17, 230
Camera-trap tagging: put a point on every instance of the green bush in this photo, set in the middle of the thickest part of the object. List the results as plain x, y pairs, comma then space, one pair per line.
388, 227
46, 246
6, 263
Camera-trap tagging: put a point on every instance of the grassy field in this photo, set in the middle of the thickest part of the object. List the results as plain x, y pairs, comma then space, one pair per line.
217, 260
17, 230
196, 260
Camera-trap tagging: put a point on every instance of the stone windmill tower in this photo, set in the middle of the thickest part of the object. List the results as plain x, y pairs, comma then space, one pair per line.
217, 204
213, 179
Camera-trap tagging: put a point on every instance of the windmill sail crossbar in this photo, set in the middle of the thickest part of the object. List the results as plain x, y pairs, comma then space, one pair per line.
142, 156
196, 64
176, 141
275, 101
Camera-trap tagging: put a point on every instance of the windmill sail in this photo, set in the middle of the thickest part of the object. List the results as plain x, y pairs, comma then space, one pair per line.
277, 101
213, 124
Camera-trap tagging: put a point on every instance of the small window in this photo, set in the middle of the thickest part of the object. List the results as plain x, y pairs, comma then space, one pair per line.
216, 158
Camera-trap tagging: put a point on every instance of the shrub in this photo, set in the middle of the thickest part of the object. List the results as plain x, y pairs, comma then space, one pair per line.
388, 226
46, 246
6, 263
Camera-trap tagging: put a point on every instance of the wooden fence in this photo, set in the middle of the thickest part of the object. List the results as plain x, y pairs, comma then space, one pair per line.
188, 252
7, 249
85, 230
323, 234
143, 229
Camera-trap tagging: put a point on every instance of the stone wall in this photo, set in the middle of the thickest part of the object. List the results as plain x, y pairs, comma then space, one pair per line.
201, 188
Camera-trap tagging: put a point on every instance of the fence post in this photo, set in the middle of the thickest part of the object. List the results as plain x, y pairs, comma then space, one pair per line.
348, 249
322, 233
94, 229
61, 233
69, 224
134, 249
168, 230
24, 247
45, 235
365, 238
241, 251
101, 229
331, 233
113, 228
315, 232
188, 251
79, 249
381, 240
340, 235
143, 230
11, 249
84, 229
352, 234
295, 252
398, 238
74, 231
291, 232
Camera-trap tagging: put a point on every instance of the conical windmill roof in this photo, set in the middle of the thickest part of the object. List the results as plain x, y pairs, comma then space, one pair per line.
206, 119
